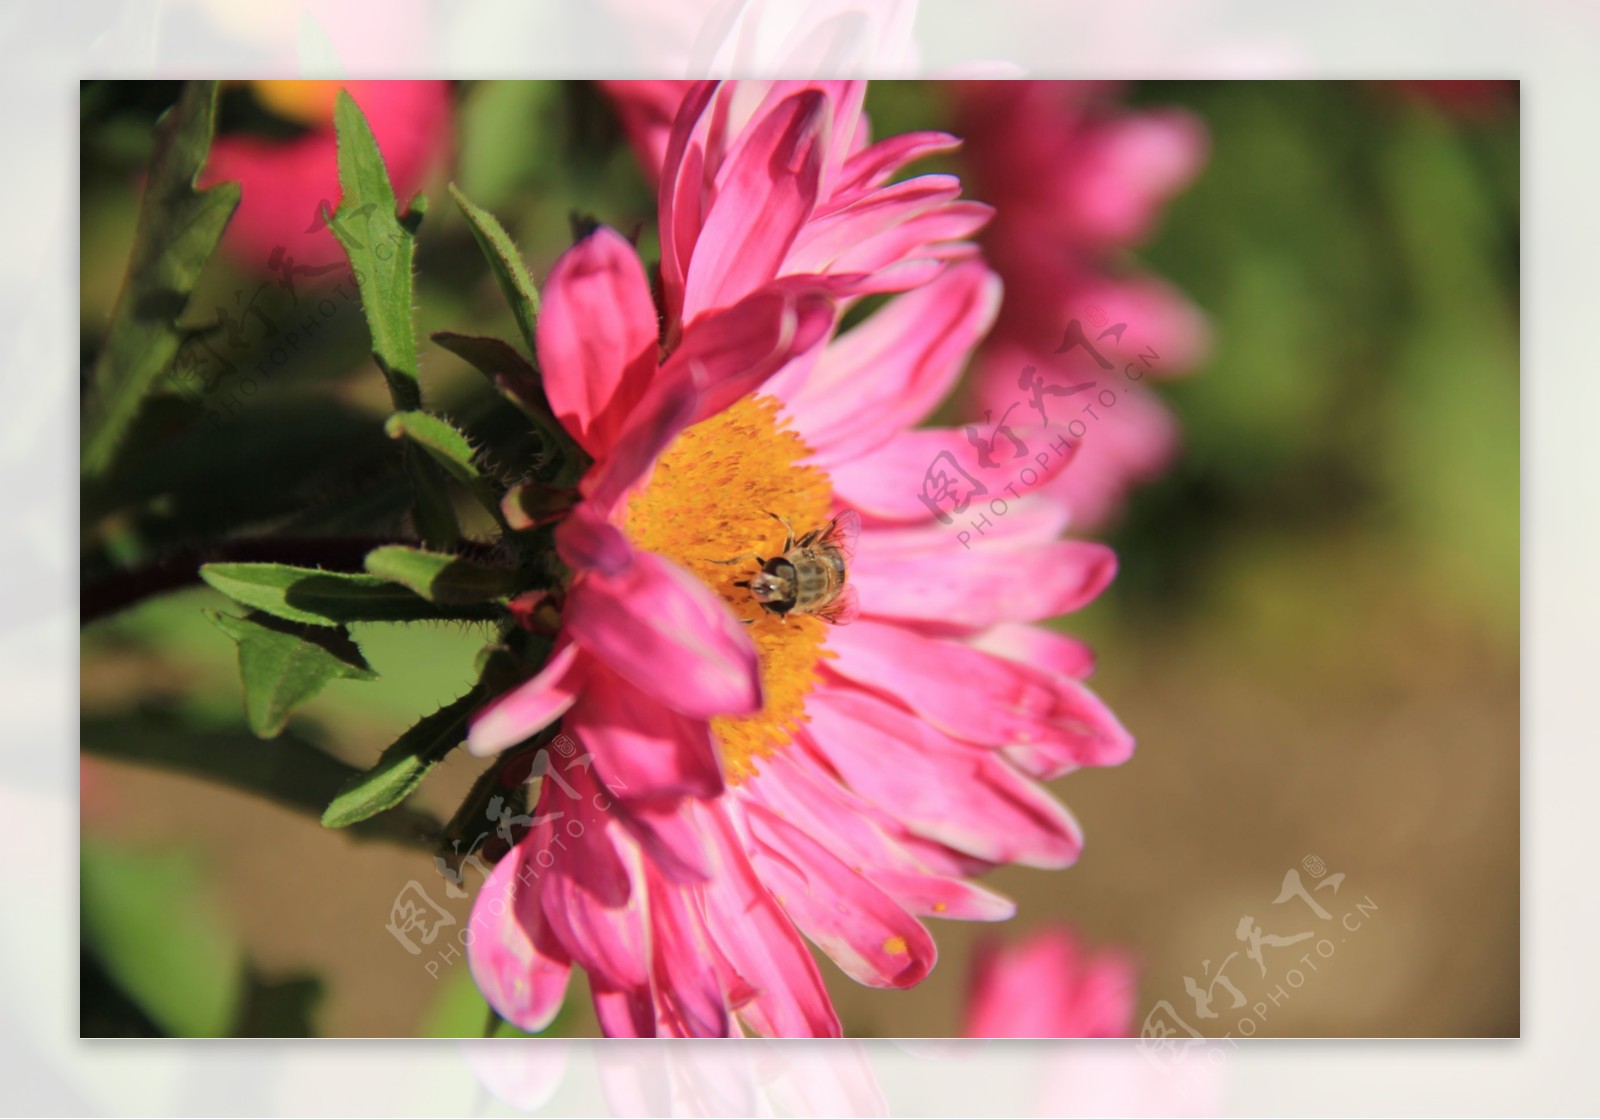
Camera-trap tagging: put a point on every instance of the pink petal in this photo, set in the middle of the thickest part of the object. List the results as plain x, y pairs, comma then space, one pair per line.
597, 337
669, 635
590, 900
962, 796
869, 169
516, 963
643, 750
891, 479
905, 576
794, 787
689, 999
771, 978
892, 370
765, 193
648, 109
1044, 649
624, 1012
529, 708
860, 927
1048, 985
667, 837
976, 697
730, 353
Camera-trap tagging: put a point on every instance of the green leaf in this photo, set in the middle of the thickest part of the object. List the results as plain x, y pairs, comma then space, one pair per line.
327, 598
283, 666
449, 448
380, 246
146, 917
520, 383
403, 765
441, 578
506, 264
177, 231
510, 372
287, 770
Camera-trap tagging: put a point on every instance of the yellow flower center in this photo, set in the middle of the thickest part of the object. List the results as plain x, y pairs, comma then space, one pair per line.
712, 497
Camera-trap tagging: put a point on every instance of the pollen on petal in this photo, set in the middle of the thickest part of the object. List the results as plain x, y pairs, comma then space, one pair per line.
895, 946
717, 493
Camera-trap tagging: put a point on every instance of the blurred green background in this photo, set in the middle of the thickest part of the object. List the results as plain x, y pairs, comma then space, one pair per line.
1314, 633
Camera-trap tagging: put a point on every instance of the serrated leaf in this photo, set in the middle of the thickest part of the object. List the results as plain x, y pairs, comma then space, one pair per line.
380, 246
380, 243
508, 370
177, 231
441, 578
327, 598
506, 264
449, 448
403, 765
283, 666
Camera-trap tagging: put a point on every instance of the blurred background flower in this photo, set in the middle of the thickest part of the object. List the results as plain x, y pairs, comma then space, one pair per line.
276, 140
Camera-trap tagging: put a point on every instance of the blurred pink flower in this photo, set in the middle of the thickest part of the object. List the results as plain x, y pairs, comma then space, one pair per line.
1048, 984
285, 182
747, 778
1075, 181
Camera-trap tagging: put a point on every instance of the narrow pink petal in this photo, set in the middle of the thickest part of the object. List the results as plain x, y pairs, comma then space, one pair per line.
765, 193
1044, 649
892, 479
827, 237
586, 540
860, 927
978, 584
669, 635
955, 899
648, 110
597, 337
794, 786
588, 895
643, 750
666, 835
976, 697
960, 795
771, 979
517, 965
667, 407
679, 212
892, 370
730, 353
529, 708
871, 168
623, 1012
689, 999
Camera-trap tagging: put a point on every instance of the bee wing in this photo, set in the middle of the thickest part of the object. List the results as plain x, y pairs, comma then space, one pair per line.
844, 609
841, 534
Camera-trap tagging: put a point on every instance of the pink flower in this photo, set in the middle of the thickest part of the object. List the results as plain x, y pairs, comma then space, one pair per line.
285, 182
748, 779
1075, 181
1048, 984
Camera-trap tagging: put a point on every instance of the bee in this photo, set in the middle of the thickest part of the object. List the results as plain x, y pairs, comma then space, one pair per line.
808, 577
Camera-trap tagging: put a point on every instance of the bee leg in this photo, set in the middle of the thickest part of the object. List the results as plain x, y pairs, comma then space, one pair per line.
743, 556
788, 544
743, 583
